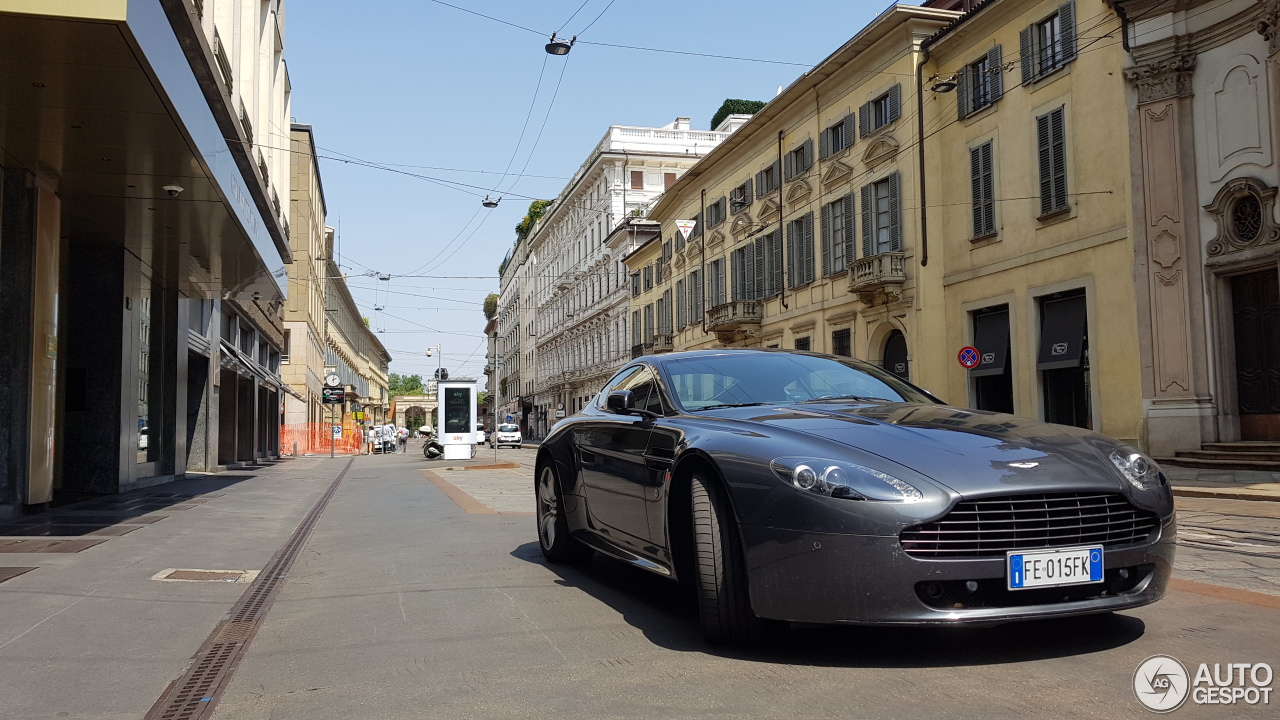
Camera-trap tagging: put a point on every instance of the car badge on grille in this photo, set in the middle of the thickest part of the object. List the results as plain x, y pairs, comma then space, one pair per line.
1024, 465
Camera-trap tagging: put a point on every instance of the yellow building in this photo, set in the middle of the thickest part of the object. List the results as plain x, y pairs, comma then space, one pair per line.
303, 361
1029, 215
810, 217
821, 179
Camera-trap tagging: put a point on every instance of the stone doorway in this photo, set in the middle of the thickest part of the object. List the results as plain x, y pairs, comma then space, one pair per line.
1255, 316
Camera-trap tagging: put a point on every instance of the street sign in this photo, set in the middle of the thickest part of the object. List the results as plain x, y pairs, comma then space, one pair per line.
510, 418
356, 407
559, 414
357, 416
332, 396
686, 227
969, 357
337, 432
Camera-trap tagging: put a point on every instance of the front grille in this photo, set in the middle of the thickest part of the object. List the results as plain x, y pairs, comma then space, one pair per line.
990, 527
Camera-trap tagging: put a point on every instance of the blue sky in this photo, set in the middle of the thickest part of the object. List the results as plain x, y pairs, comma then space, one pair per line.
416, 83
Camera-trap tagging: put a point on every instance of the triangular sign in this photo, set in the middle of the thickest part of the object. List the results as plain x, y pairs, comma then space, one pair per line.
686, 227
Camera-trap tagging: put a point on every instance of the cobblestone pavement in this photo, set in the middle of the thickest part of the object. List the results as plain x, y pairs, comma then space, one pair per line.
1235, 543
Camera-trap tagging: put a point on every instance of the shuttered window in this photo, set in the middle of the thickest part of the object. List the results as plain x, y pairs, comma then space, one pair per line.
740, 197
635, 328
769, 270
1052, 141
769, 179
837, 235
800, 268
838, 136
1049, 44
717, 282
635, 284
880, 112
637, 179
648, 324
797, 162
682, 306
648, 277
982, 179
881, 217
716, 213
981, 83
695, 296
664, 313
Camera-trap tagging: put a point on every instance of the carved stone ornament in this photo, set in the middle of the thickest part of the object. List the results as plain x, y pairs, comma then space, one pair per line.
768, 210
716, 239
1269, 25
798, 192
1244, 211
880, 151
1163, 79
741, 224
835, 172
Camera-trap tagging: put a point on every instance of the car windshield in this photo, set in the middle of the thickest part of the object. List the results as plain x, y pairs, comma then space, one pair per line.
735, 379
508, 428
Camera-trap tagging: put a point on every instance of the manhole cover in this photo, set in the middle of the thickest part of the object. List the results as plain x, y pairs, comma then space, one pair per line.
191, 575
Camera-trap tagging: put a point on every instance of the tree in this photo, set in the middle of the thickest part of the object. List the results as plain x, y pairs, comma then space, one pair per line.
735, 107
490, 306
398, 384
537, 209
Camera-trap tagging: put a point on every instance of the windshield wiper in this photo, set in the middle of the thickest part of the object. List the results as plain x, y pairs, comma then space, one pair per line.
824, 398
728, 405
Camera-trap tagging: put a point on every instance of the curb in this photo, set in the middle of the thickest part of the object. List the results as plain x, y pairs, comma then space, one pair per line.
1224, 494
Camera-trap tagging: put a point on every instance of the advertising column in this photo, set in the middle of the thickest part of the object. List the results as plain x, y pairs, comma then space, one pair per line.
456, 418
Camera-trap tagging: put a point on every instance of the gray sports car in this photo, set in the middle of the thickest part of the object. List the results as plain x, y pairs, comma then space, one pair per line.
819, 489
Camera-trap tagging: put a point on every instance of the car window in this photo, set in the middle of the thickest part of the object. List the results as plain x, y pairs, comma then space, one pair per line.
508, 428
617, 383
740, 378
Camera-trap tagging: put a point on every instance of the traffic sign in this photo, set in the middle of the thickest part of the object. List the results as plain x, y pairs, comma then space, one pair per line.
332, 396
337, 432
356, 407
969, 357
686, 227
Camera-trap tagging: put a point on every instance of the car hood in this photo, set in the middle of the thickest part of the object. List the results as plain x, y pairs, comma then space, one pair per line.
973, 452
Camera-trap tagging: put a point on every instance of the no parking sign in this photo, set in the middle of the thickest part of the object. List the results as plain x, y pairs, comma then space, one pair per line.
969, 357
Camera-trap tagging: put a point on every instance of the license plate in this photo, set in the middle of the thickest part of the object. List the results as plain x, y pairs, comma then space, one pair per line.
1053, 568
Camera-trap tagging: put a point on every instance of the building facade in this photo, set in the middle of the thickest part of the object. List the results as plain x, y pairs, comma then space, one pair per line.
303, 360
513, 346
804, 234
1203, 129
143, 242
579, 295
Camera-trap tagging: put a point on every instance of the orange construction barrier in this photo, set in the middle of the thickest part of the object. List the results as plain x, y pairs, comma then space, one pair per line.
314, 438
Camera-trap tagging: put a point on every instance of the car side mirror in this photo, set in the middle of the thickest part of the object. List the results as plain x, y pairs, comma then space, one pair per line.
620, 401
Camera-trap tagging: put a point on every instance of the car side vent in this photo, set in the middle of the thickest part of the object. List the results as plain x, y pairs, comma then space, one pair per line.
990, 527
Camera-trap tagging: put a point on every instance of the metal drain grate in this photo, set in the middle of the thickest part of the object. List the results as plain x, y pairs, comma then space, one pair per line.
194, 695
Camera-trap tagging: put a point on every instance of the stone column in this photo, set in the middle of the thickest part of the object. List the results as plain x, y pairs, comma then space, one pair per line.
1167, 258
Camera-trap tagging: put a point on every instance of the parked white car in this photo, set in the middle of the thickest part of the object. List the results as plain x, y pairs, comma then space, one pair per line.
507, 434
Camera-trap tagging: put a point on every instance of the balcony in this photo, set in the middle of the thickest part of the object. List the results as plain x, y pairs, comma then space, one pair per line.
735, 315
664, 342
878, 279
641, 349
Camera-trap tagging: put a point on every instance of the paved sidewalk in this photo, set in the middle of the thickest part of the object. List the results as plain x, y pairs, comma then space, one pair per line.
1224, 484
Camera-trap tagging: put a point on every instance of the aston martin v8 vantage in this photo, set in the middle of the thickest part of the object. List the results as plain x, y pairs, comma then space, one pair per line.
818, 489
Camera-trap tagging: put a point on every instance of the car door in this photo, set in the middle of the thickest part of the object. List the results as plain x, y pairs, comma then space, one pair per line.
611, 453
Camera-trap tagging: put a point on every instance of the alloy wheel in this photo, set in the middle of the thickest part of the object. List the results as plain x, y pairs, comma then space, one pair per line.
548, 508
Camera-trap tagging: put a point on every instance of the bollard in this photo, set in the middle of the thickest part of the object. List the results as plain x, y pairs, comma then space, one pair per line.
295, 449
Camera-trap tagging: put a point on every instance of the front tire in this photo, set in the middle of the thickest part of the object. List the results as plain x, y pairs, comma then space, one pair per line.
724, 606
553, 527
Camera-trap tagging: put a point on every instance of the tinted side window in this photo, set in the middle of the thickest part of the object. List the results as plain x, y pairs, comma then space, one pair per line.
644, 390
617, 382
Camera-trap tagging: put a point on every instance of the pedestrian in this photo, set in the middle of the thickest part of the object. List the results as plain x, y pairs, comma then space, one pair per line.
389, 438
403, 433
373, 440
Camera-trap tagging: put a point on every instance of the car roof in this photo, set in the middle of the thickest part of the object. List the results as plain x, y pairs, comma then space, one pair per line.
715, 352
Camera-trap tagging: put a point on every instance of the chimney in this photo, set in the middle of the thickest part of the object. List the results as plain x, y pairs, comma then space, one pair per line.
682, 123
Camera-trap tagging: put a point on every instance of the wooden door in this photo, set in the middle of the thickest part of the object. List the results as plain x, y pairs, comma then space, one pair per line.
1255, 299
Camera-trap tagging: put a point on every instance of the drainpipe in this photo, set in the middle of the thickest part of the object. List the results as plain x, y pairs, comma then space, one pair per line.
924, 206
782, 234
702, 274
1124, 27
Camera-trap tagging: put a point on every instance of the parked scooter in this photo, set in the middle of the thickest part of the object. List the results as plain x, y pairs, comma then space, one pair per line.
431, 447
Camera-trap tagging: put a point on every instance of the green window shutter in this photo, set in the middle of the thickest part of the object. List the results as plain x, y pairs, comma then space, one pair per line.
824, 144
895, 213
895, 103
849, 230
1067, 23
868, 221
808, 248
850, 129
962, 92
864, 121
1027, 55
808, 155
826, 238
1044, 144
995, 65
1057, 131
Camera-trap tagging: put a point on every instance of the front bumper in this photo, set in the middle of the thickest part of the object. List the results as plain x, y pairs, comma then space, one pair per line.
869, 580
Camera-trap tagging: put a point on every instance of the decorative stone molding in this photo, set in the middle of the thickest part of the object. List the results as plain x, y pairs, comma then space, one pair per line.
842, 318
768, 211
1269, 25
802, 326
881, 150
1244, 212
835, 172
799, 191
1163, 79
716, 239
741, 224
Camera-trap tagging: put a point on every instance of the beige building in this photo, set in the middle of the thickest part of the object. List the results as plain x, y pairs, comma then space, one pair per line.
303, 360
806, 236
1203, 127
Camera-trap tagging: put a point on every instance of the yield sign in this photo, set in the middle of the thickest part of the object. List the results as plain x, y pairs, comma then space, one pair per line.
686, 227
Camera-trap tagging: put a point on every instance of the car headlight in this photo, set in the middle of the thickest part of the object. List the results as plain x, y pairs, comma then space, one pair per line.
836, 478
1141, 471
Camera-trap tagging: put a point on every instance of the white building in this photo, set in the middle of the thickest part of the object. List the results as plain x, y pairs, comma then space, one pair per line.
569, 279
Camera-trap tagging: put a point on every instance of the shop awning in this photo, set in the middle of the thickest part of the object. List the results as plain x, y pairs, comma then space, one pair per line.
991, 337
1062, 333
